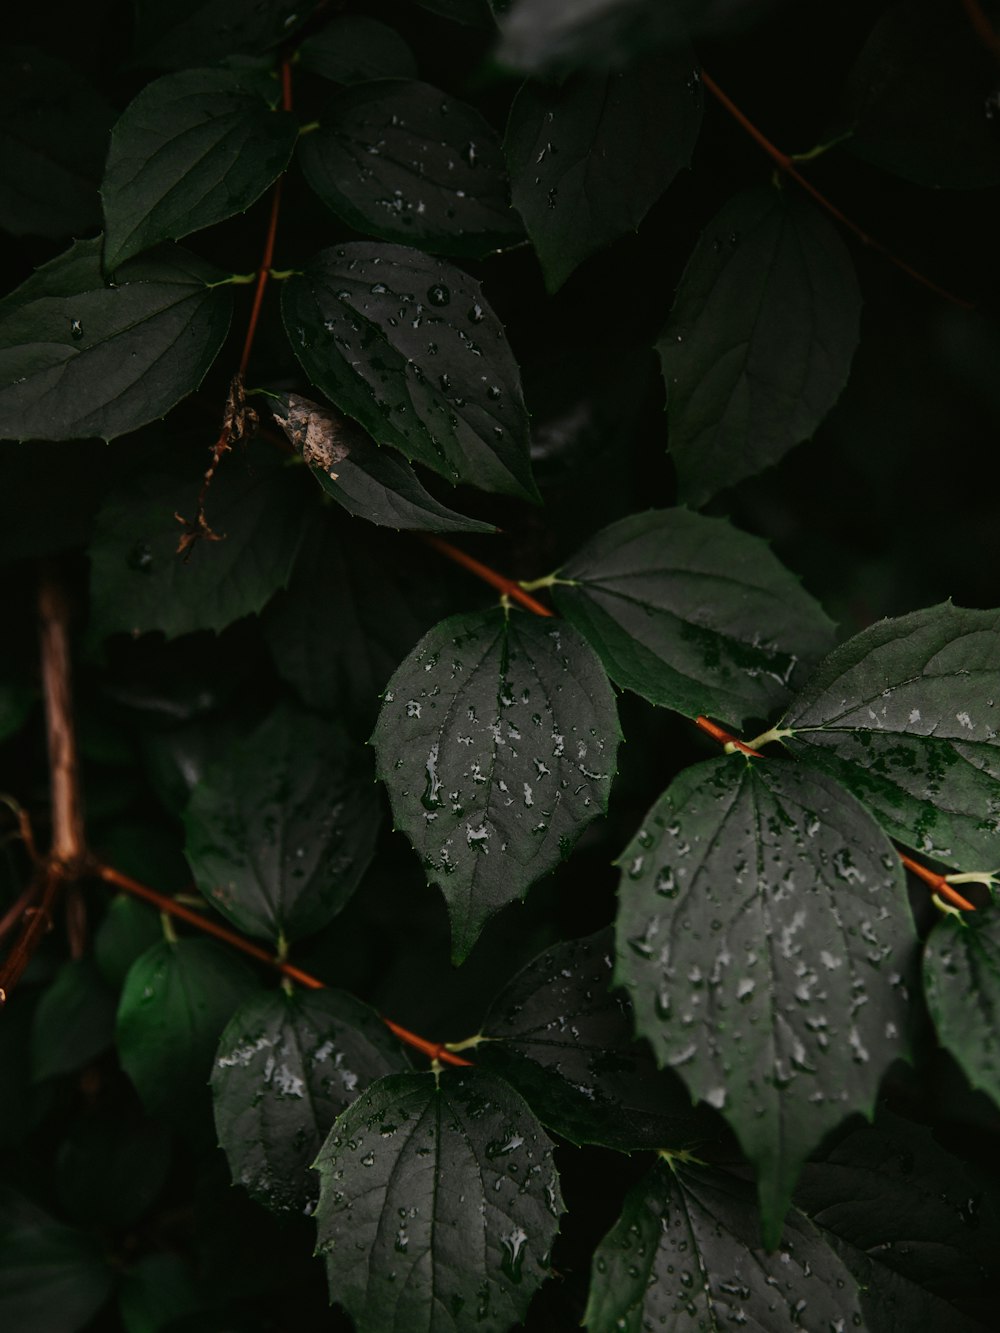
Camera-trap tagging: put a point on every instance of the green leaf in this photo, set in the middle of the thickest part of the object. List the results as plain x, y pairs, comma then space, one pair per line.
962, 985
909, 1220
157, 1293
759, 341
79, 358
439, 1203
111, 1166
193, 32
686, 1255
23, 1102
129, 928
53, 1278
54, 130
178, 997
584, 167
191, 149
74, 1021
353, 48
406, 345
692, 614
764, 935
367, 481
497, 742
286, 1067
15, 706
903, 715
474, 13
281, 830
918, 100
140, 583
405, 161
558, 1034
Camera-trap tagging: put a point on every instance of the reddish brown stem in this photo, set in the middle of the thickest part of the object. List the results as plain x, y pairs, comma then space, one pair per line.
937, 883
724, 737
982, 26
57, 688
173, 908
507, 586
785, 163
18, 908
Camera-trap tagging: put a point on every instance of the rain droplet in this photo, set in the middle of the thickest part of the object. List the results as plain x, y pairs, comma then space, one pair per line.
140, 558
438, 295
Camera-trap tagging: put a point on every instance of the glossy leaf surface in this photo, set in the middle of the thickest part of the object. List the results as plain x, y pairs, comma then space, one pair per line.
764, 935
439, 1204
286, 1067
759, 341
962, 985
280, 830
406, 345
372, 483
589, 157
685, 1255
497, 743
905, 715
410, 163
692, 614
79, 358
191, 149
565, 1041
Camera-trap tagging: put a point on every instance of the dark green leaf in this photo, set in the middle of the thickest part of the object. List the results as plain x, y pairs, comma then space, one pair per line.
402, 160
54, 130
439, 1204
962, 984
53, 1278
286, 1067
406, 345
281, 830
685, 1255
921, 98
909, 1220
692, 614
764, 935
759, 340
497, 742
558, 1034
195, 32
178, 997
15, 705
590, 157
111, 1166
474, 13
191, 149
74, 1021
353, 48
129, 928
372, 483
157, 1291
23, 1102
904, 714
140, 583
79, 358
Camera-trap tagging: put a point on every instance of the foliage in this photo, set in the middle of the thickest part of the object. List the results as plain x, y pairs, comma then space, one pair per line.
385, 932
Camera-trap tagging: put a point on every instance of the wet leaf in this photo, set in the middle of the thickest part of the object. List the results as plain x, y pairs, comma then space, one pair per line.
962, 985
282, 828
589, 157
191, 149
178, 997
558, 1034
52, 1277
909, 1220
372, 483
759, 341
80, 359
692, 614
286, 1067
686, 1255
905, 715
406, 345
439, 1203
189, 32
764, 936
139, 582
407, 162
497, 743
54, 129
921, 100
353, 48
74, 1021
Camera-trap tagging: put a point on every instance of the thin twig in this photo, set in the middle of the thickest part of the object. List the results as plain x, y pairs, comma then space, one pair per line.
982, 26
507, 586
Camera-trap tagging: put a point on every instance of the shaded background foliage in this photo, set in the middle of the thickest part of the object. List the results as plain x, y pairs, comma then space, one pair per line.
889, 506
